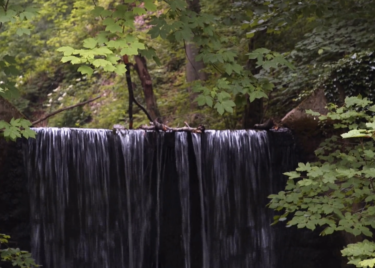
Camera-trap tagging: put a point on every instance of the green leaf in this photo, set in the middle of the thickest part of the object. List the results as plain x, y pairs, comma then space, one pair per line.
313, 113
356, 134
90, 43
66, 50
237, 68
228, 105
112, 58
28, 133
84, 69
149, 5
15, 122
257, 95
9, 59
22, 31
100, 11
371, 108
219, 107
292, 175
101, 63
102, 51
328, 231
139, 11
329, 178
262, 51
109, 68
281, 60
28, 14
201, 100
228, 69
102, 38
369, 153
117, 43
112, 26
315, 172
183, 34
130, 51
12, 133
86, 54
352, 101
72, 59
120, 69
269, 64
8, 16
4, 124
367, 263
253, 55
209, 101
304, 167
371, 125
24, 123
305, 182
10, 70
221, 96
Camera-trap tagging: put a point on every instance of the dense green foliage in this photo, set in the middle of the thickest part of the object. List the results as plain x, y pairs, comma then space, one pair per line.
95, 35
317, 38
14, 14
337, 191
16, 256
16, 128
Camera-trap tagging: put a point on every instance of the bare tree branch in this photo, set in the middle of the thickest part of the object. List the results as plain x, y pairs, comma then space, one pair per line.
64, 109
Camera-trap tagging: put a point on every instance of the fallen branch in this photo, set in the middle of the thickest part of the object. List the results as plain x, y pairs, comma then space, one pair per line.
158, 126
63, 109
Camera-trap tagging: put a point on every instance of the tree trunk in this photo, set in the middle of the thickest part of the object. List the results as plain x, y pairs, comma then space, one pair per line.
193, 67
253, 113
144, 76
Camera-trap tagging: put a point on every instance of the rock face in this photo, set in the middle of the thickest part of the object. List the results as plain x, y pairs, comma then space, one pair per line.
297, 119
304, 126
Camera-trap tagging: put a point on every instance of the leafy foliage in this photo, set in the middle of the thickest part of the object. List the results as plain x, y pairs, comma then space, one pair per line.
15, 14
177, 24
16, 128
351, 76
16, 256
314, 36
359, 253
336, 192
225, 66
100, 51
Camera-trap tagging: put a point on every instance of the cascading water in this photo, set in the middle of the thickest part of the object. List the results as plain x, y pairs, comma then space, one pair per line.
154, 200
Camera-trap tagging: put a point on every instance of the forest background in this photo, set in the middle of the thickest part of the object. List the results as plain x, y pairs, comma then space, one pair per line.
223, 64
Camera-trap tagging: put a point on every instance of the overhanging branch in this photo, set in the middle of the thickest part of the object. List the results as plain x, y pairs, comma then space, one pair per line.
63, 109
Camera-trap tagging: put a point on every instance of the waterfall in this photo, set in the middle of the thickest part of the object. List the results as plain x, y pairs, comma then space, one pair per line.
154, 200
